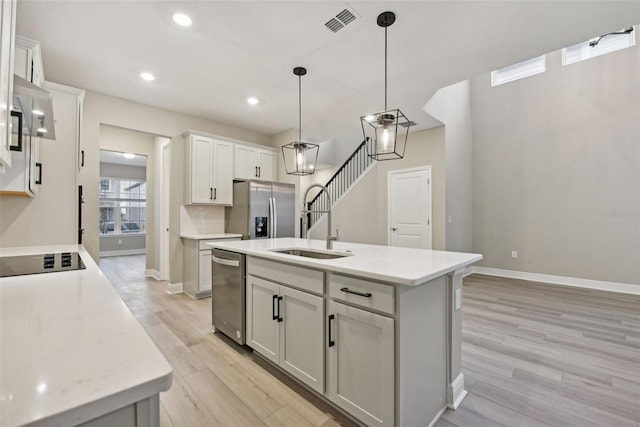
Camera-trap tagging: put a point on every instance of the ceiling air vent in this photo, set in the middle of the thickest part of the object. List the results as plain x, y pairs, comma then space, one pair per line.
342, 19
407, 124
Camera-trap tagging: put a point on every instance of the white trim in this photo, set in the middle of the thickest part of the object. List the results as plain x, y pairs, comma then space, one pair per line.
164, 246
626, 288
351, 187
426, 168
456, 392
153, 273
437, 417
174, 288
123, 252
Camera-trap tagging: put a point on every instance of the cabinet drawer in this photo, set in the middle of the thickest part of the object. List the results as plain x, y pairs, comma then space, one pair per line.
202, 244
376, 296
298, 277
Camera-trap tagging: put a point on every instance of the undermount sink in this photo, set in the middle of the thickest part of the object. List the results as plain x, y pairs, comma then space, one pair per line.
309, 253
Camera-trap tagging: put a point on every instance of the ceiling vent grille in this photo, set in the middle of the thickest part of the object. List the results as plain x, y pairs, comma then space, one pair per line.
341, 20
407, 124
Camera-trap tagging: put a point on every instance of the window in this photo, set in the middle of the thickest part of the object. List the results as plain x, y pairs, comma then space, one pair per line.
123, 206
607, 44
518, 71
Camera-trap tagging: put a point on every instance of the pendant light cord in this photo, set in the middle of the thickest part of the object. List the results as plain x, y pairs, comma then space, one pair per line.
300, 108
385, 68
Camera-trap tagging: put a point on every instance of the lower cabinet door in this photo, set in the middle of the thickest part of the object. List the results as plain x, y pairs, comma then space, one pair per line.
361, 365
302, 337
263, 333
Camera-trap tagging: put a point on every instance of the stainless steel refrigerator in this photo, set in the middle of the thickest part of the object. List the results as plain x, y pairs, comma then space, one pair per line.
261, 210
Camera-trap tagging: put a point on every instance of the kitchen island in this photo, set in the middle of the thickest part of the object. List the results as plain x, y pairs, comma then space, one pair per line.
375, 330
72, 353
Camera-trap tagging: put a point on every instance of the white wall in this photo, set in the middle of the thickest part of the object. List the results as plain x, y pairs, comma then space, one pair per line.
451, 105
361, 216
556, 169
100, 109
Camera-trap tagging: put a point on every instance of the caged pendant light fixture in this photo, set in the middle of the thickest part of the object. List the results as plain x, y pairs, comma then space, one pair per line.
300, 157
386, 132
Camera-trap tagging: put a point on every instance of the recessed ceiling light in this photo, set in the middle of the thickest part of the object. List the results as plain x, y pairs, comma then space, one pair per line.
37, 113
182, 19
252, 100
128, 155
147, 76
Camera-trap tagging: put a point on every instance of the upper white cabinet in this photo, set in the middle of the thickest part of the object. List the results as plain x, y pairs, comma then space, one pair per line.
209, 171
28, 60
7, 36
255, 163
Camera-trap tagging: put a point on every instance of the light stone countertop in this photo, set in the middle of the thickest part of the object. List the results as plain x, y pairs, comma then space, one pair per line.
404, 266
210, 236
70, 348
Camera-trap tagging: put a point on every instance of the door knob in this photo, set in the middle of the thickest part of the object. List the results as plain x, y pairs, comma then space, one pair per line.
394, 229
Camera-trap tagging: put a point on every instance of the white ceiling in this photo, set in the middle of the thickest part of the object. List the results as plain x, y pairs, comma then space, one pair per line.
116, 157
237, 49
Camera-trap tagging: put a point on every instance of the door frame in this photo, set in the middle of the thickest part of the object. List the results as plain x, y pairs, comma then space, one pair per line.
165, 206
426, 168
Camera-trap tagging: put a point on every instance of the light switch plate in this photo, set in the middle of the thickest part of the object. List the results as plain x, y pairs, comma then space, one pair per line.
458, 299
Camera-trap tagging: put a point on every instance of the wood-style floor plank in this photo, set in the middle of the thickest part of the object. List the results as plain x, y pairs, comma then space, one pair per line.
533, 355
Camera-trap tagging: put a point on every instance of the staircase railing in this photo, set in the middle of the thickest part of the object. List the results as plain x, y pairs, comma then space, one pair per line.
340, 182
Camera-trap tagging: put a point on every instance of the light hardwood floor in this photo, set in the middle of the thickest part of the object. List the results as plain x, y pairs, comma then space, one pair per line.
533, 355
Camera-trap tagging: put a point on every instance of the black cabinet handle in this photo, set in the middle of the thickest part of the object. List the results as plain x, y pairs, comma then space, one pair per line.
18, 147
259, 172
256, 174
331, 341
210, 193
39, 180
280, 319
82, 158
215, 193
349, 291
273, 307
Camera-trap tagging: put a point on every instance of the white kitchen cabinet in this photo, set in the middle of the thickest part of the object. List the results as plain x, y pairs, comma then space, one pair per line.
209, 171
360, 368
285, 325
255, 163
196, 261
25, 174
7, 45
28, 60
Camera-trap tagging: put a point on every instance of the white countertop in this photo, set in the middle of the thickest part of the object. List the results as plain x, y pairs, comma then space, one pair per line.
70, 348
390, 264
197, 236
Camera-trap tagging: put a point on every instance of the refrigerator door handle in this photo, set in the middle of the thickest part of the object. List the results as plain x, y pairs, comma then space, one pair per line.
274, 219
270, 222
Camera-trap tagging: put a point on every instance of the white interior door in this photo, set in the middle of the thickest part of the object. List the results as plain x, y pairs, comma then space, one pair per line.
164, 211
410, 208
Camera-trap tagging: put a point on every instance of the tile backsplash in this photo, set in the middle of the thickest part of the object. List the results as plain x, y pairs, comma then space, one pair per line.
201, 219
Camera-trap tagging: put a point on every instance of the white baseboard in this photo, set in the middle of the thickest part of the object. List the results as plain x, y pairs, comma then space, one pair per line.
437, 417
174, 288
153, 273
626, 288
123, 252
456, 392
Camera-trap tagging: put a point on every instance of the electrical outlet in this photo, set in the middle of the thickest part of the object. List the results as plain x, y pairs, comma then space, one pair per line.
514, 254
458, 299
449, 219
119, 241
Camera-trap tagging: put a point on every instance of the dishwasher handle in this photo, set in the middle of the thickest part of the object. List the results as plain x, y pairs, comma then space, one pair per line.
223, 261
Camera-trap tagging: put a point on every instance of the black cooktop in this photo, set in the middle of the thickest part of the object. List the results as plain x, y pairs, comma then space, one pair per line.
41, 263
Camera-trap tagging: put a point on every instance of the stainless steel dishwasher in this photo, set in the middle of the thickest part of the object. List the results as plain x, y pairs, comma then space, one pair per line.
227, 293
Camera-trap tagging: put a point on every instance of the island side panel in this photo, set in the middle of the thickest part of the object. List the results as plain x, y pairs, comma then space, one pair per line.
421, 352
455, 380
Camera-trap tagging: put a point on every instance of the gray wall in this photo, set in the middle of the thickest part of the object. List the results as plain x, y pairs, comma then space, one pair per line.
112, 170
122, 242
556, 169
451, 105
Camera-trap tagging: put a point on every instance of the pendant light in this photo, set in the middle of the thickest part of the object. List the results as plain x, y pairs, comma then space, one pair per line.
300, 157
386, 132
